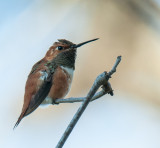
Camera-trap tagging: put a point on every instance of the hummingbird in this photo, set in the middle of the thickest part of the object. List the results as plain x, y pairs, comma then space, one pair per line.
51, 77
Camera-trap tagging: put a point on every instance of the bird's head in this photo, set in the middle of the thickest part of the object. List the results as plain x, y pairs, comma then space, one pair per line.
63, 46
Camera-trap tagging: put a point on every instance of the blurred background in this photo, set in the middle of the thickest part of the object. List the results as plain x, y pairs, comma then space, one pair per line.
131, 28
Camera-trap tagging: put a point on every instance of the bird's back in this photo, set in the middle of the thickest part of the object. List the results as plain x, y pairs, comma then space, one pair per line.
35, 79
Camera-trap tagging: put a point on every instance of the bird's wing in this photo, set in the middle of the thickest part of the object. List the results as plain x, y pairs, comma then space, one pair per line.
36, 67
35, 97
43, 91
40, 95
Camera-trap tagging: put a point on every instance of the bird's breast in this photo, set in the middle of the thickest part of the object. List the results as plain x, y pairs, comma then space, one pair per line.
69, 71
61, 83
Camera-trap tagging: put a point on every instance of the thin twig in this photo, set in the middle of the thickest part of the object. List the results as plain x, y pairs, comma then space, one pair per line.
113, 70
102, 79
80, 99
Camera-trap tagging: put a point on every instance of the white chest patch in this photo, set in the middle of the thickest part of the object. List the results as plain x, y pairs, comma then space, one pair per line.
70, 71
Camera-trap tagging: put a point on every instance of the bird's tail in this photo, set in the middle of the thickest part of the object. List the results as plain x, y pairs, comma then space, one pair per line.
19, 120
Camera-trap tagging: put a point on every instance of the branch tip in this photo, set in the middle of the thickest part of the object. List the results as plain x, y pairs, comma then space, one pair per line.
119, 57
101, 80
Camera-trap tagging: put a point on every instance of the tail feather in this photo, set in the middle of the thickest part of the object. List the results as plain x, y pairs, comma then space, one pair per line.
19, 120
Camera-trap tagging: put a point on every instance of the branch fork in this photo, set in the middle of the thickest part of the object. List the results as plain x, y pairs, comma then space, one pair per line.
101, 80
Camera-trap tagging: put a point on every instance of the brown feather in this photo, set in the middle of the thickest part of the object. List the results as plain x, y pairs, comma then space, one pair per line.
59, 87
32, 85
61, 81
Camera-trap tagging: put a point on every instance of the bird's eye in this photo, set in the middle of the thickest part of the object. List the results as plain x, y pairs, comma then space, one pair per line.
59, 48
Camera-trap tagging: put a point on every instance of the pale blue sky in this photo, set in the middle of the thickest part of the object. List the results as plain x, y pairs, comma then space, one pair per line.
12, 8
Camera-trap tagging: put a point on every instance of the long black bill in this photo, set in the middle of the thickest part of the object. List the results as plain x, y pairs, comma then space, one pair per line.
81, 44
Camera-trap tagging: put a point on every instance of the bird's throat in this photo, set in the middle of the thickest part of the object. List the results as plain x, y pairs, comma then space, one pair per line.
66, 59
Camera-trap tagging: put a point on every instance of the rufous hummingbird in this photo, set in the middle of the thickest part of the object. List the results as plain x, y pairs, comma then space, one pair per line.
51, 77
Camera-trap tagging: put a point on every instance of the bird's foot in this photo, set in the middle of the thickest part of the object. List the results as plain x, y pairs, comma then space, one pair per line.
54, 102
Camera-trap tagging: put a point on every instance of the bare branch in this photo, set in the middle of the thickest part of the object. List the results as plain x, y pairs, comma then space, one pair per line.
101, 80
80, 99
113, 70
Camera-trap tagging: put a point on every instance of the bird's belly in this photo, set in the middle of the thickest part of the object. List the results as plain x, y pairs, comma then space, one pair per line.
61, 80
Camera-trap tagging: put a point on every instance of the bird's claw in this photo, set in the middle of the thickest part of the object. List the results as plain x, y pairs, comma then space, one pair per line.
54, 102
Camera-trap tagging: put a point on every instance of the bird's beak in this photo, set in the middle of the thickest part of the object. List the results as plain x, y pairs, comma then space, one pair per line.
81, 44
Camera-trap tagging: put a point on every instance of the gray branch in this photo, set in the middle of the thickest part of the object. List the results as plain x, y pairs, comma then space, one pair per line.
80, 99
101, 80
